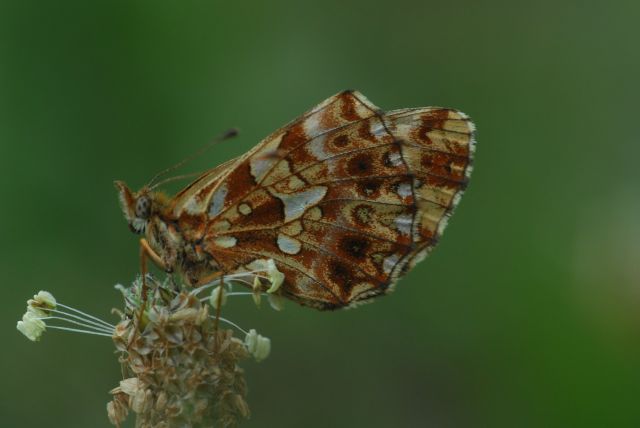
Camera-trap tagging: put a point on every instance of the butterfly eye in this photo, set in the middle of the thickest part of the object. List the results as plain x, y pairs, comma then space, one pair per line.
143, 207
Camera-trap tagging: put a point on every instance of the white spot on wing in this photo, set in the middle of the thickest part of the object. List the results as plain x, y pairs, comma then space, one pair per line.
312, 125
403, 223
225, 241
288, 244
295, 204
244, 209
264, 159
260, 165
377, 128
220, 226
390, 262
217, 200
192, 207
316, 147
395, 158
404, 190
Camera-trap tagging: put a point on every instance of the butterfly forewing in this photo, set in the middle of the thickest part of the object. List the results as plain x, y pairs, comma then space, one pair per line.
345, 198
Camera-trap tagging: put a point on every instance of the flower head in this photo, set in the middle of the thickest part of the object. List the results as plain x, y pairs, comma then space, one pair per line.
258, 345
38, 308
44, 307
43, 299
31, 326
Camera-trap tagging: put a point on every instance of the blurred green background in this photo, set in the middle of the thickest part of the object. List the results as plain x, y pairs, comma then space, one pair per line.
526, 315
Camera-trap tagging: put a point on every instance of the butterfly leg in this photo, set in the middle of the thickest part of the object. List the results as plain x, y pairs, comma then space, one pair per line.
146, 251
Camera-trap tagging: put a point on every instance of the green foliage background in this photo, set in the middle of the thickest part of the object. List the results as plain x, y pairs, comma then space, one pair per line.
526, 315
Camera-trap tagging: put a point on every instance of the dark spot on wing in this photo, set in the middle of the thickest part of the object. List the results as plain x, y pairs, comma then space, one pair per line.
360, 164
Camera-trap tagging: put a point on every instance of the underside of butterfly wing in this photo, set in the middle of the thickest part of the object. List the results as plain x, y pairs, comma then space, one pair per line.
345, 199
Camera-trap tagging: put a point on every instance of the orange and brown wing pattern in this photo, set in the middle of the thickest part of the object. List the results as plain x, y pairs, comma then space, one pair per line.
345, 199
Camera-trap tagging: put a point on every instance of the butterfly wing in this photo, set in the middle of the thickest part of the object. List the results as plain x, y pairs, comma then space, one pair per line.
345, 198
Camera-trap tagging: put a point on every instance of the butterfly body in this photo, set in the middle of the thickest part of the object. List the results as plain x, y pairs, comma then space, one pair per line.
345, 199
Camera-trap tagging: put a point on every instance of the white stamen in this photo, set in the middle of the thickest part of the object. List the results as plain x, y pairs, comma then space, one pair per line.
76, 330
231, 323
102, 324
104, 330
86, 315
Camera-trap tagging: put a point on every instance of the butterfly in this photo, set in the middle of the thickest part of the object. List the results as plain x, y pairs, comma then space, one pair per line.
345, 199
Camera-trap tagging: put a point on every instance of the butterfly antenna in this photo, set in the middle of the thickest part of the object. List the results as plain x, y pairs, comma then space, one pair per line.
176, 178
225, 136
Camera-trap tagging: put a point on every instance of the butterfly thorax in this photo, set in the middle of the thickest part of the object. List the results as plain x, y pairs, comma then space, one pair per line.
150, 214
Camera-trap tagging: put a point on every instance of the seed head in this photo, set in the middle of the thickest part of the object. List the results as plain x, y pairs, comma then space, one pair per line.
183, 371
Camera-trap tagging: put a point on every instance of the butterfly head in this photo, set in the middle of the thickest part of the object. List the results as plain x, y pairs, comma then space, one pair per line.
137, 207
